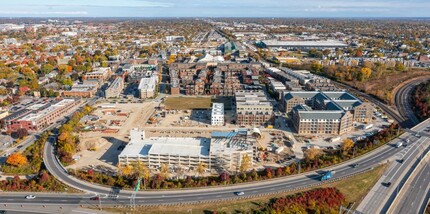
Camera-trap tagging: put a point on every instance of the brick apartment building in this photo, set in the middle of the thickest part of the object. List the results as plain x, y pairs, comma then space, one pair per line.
253, 108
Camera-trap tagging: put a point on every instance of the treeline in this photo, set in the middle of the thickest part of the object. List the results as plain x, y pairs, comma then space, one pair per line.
421, 100
322, 200
41, 182
30, 161
67, 141
128, 175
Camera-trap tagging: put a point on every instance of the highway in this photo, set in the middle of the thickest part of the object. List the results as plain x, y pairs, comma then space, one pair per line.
402, 100
382, 196
111, 197
412, 200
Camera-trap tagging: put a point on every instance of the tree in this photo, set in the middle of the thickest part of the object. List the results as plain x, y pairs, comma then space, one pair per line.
21, 132
46, 68
164, 170
16, 159
201, 168
366, 72
312, 153
347, 145
127, 170
142, 170
399, 66
245, 163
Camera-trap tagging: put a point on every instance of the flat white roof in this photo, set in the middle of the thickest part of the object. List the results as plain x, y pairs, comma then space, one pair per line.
167, 146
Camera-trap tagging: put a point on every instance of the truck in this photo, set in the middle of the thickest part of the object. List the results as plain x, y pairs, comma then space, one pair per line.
327, 175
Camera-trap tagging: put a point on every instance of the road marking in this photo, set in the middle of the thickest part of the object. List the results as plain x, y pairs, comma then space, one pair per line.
180, 199
78, 211
63, 200
160, 200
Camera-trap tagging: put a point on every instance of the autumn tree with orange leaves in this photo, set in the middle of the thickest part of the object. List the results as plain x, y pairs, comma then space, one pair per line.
17, 159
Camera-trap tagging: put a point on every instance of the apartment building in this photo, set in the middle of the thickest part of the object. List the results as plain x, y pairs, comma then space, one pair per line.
147, 87
253, 108
316, 112
115, 88
217, 115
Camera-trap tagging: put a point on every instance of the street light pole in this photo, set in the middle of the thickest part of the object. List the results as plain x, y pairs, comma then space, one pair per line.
100, 203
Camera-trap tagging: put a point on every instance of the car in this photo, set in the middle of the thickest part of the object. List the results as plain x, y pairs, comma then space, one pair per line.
355, 165
95, 198
239, 193
387, 184
401, 160
417, 135
18, 147
30, 197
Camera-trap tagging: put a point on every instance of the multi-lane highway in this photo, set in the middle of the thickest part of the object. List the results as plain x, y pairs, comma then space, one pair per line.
417, 192
110, 196
383, 193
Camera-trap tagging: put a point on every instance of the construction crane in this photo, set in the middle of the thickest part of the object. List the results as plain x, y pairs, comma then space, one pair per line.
133, 196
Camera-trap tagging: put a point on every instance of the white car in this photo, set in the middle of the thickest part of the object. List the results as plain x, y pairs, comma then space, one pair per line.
239, 193
30, 197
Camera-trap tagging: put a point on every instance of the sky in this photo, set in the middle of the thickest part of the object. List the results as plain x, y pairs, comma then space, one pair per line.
215, 8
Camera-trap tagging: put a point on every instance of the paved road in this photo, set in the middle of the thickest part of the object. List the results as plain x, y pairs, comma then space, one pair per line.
380, 197
181, 196
403, 101
413, 200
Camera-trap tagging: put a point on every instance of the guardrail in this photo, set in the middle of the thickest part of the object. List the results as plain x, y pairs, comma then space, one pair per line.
393, 197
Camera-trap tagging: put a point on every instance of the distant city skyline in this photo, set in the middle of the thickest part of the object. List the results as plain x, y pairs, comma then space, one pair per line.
216, 8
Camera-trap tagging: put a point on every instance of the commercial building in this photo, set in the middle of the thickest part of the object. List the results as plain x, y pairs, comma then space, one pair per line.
223, 150
99, 74
317, 112
147, 87
217, 116
39, 115
115, 88
304, 45
253, 108
87, 90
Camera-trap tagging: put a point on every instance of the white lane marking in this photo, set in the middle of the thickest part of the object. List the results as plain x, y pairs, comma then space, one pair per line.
78, 211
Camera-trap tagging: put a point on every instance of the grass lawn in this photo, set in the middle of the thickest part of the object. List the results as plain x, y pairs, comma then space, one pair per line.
354, 189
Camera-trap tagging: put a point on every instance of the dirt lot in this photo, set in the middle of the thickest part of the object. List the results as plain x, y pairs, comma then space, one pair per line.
183, 103
189, 103
106, 145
